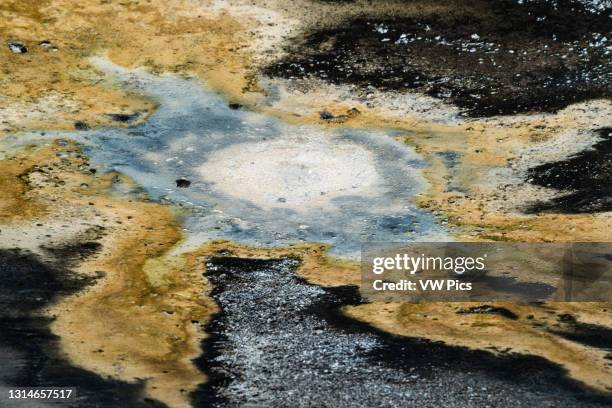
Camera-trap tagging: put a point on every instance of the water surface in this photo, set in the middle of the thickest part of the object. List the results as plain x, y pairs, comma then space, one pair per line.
256, 180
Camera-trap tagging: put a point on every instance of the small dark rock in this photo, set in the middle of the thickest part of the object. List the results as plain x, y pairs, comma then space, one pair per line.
183, 183
17, 47
566, 318
235, 106
123, 117
487, 309
45, 44
326, 115
78, 125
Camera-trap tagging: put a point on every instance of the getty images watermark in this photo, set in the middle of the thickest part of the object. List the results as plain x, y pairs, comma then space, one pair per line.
456, 271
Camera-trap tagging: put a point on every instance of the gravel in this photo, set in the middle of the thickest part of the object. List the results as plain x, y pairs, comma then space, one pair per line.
281, 342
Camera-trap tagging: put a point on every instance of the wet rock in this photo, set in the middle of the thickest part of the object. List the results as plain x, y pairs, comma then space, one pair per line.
79, 125
326, 115
46, 44
235, 106
183, 183
17, 47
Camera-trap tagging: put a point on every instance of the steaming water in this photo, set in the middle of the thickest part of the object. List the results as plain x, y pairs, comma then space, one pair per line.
257, 180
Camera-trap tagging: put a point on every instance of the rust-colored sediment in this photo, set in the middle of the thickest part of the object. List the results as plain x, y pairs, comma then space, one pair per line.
144, 320
534, 332
134, 324
52, 89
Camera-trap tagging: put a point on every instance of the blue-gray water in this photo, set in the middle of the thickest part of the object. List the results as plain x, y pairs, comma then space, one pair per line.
243, 189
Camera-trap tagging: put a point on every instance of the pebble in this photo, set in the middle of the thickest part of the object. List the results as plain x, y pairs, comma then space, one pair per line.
183, 183
79, 125
326, 115
17, 47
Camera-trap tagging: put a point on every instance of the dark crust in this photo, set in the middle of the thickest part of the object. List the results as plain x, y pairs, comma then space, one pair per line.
586, 176
545, 57
29, 284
